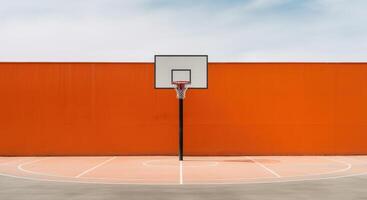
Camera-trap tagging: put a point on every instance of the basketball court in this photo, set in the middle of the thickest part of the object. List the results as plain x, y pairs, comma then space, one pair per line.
163, 170
183, 128
183, 100
163, 177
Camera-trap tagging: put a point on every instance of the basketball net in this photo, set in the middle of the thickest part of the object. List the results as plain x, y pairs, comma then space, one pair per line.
181, 88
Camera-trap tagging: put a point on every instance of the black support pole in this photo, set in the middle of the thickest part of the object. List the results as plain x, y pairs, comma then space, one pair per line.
180, 130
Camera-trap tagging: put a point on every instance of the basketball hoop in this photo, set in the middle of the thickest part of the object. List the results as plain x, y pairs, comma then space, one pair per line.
181, 87
181, 72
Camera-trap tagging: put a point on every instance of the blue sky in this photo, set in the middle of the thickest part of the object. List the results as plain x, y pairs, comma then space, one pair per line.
226, 30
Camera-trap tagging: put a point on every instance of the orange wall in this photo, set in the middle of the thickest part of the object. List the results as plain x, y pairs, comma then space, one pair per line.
249, 108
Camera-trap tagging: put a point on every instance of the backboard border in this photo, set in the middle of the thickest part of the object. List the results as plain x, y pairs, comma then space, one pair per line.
182, 70
197, 88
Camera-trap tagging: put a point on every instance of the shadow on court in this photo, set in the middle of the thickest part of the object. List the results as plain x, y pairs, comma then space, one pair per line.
266, 161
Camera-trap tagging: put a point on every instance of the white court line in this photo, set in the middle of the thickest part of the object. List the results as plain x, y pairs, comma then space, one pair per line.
95, 167
20, 166
349, 166
264, 167
181, 173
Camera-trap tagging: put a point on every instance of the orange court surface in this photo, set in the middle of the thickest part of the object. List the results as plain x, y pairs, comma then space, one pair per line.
163, 170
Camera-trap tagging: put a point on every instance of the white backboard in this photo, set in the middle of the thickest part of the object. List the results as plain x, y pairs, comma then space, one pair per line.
193, 68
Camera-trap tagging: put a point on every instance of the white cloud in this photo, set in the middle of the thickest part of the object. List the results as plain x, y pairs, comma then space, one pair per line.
252, 30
